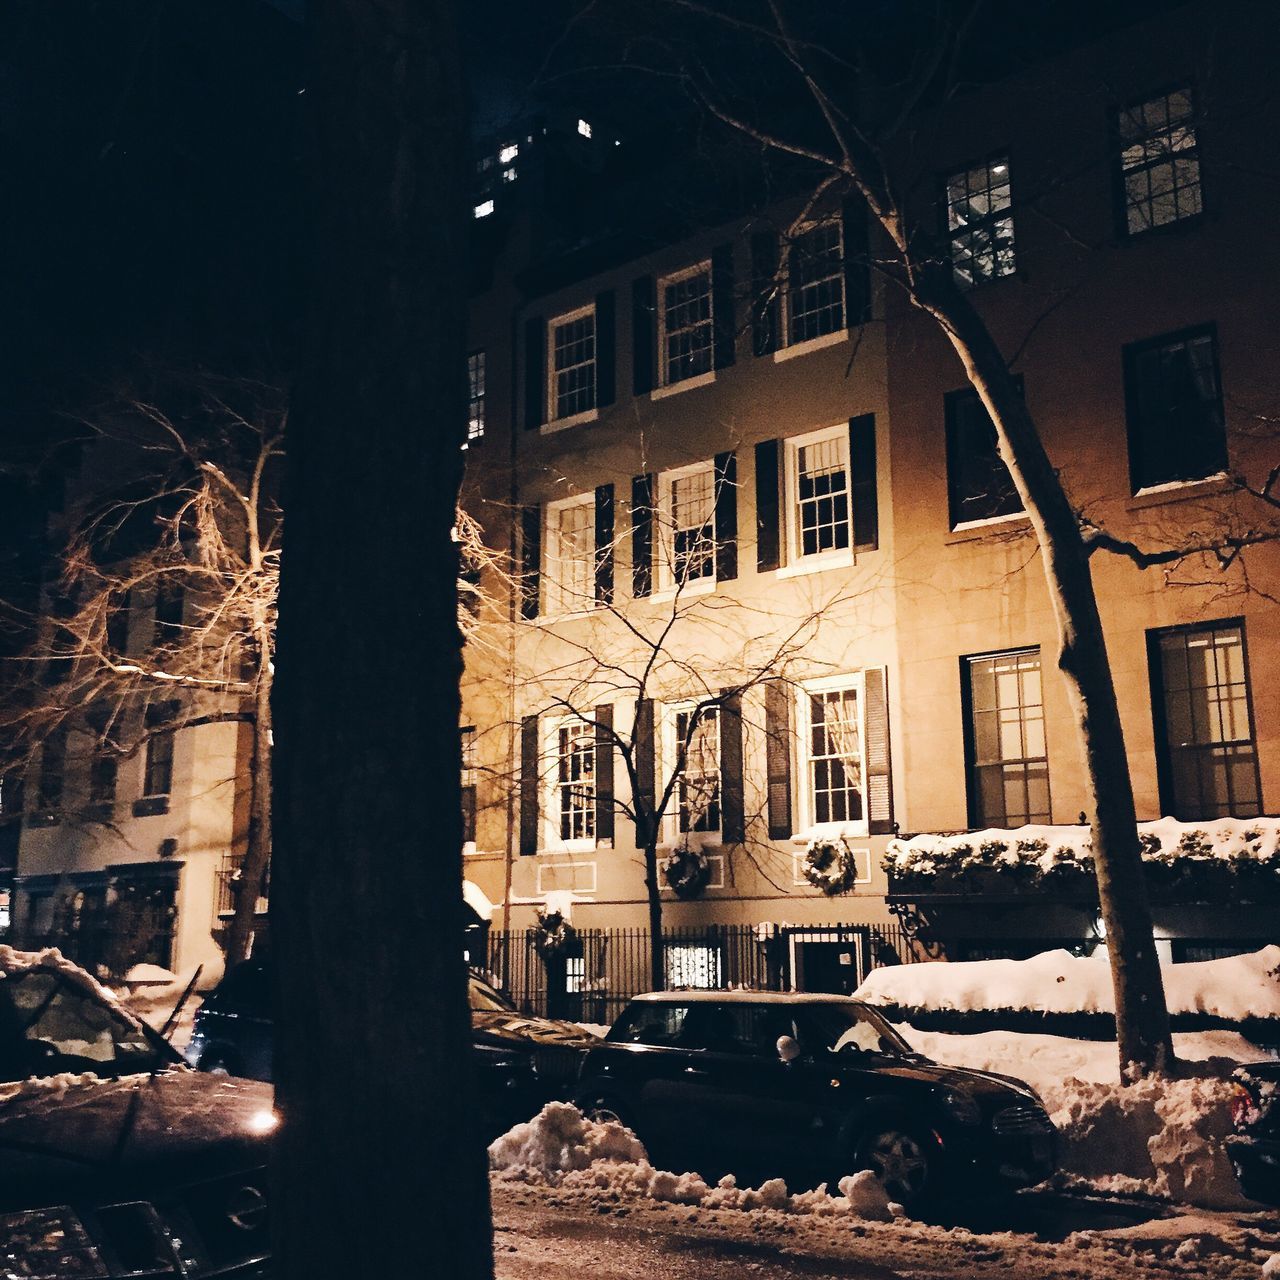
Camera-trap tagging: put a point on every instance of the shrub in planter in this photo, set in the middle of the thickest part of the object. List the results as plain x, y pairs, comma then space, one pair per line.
687, 872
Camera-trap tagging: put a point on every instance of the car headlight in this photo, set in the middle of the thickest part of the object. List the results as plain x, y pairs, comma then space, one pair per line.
961, 1107
47, 1244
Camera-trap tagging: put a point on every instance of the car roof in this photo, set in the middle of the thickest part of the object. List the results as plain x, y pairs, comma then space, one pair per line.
744, 997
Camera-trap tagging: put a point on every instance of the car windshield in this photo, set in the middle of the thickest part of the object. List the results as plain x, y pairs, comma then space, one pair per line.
484, 999
849, 1028
49, 1025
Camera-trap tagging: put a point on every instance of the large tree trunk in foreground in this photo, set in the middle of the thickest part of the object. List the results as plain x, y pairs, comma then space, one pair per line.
380, 1169
258, 853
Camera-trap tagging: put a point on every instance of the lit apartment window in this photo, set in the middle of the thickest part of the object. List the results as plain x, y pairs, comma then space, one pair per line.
818, 493
484, 208
1159, 162
475, 391
980, 222
692, 966
833, 766
1174, 402
1008, 762
685, 324
572, 356
575, 784
979, 486
584, 128
571, 545
815, 282
693, 748
468, 752
688, 511
1205, 740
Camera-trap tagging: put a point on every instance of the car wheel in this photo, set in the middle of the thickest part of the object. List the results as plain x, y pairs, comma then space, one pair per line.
902, 1161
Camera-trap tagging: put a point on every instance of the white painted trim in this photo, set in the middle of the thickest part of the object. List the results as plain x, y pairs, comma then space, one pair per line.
554, 423
837, 557
827, 684
685, 384
665, 385
832, 339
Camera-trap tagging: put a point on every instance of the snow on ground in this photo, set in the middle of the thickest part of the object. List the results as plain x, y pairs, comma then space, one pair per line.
560, 1147
1157, 1137
1058, 982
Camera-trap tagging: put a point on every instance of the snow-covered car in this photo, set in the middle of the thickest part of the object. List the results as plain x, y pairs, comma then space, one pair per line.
115, 1159
1254, 1148
523, 1060
774, 1083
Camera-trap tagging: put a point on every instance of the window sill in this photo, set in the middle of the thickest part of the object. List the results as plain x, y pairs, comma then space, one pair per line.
703, 841
574, 847
830, 831
811, 344
816, 564
1157, 495
685, 384
700, 587
574, 420
150, 806
566, 615
973, 530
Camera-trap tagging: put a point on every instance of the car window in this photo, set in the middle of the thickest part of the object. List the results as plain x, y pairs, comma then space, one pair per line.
659, 1024
846, 1027
484, 999
750, 1029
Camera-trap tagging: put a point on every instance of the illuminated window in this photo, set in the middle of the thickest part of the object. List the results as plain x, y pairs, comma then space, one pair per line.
692, 966
571, 545
575, 781
1159, 162
685, 324
818, 494
475, 384
832, 736
980, 223
572, 356
691, 749
484, 209
584, 128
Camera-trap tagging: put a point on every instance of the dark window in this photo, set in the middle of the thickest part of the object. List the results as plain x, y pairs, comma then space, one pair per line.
169, 602
157, 777
573, 365
118, 623
687, 327
1008, 761
815, 285
645, 1023
980, 223
1208, 761
468, 785
102, 780
53, 763
1159, 162
475, 395
1174, 398
979, 486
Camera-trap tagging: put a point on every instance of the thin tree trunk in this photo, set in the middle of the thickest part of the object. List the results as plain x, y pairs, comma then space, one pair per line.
657, 958
258, 851
380, 1169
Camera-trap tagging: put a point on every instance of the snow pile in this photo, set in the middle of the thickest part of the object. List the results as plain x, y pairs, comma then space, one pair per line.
45, 1086
562, 1148
1058, 982
1271, 1268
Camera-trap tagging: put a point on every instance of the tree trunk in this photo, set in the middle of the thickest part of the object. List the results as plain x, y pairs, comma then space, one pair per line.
1142, 1019
380, 1169
657, 958
258, 853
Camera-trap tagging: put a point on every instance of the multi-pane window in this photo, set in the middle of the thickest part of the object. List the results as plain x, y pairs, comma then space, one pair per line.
1174, 397
815, 282
696, 738
575, 787
1159, 161
1209, 760
571, 546
475, 395
691, 966
53, 766
833, 766
468, 752
818, 480
157, 772
686, 325
102, 779
572, 354
980, 222
979, 486
1008, 761
690, 510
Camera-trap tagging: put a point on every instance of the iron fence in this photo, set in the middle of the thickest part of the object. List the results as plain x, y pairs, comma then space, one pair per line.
592, 976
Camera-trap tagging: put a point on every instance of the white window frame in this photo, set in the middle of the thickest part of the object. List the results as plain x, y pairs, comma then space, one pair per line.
477, 369
786, 347
806, 808
553, 841
834, 557
667, 756
469, 775
665, 534
666, 381
560, 600
554, 419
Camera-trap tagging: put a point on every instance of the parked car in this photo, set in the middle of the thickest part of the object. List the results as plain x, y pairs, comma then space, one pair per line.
791, 1083
524, 1061
115, 1159
1255, 1146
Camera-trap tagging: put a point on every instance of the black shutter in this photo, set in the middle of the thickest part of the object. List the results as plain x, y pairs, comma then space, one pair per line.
767, 541
726, 493
732, 811
604, 771
644, 320
642, 536
862, 463
723, 310
645, 769
530, 561
606, 348
857, 271
535, 372
777, 728
879, 781
766, 311
604, 544
528, 786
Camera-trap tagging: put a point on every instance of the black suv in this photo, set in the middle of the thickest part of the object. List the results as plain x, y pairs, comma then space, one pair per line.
810, 1084
115, 1160
1255, 1146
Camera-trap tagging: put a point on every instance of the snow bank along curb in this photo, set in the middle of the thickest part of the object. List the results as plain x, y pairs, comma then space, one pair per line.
560, 1147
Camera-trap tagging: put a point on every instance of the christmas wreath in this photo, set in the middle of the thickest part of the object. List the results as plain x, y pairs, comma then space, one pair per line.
829, 865
554, 935
687, 872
